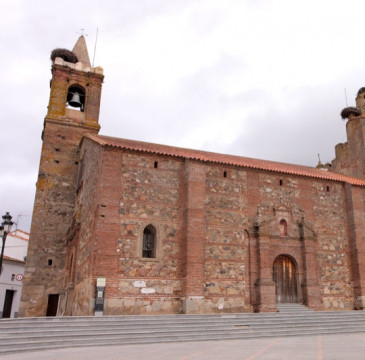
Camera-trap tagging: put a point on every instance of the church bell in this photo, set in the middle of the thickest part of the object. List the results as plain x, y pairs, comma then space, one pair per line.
75, 100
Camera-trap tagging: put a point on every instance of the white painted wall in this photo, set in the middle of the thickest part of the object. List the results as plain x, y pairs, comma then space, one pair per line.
16, 245
9, 282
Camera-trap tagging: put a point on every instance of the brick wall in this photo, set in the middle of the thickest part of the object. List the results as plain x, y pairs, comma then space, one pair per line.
208, 257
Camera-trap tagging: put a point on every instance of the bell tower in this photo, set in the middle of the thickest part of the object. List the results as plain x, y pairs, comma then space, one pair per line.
73, 111
350, 156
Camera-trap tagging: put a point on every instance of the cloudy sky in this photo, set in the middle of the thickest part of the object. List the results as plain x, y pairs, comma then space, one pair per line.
257, 78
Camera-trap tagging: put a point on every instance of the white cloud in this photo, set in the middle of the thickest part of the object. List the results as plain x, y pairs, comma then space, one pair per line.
260, 78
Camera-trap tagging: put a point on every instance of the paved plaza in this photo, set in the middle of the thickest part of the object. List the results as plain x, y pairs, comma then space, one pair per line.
319, 347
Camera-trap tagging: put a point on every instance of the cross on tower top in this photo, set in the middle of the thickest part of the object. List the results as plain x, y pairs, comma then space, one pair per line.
82, 32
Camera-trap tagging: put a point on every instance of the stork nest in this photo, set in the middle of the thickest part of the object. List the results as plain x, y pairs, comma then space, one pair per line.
361, 90
346, 112
65, 54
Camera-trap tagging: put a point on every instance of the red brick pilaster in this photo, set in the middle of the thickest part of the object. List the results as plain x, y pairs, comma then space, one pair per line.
193, 235
356, 231
265, 284
310, 285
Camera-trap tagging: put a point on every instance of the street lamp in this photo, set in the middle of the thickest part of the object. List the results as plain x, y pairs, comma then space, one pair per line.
5, 228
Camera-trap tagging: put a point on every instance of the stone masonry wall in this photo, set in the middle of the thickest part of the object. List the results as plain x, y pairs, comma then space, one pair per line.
329, 207
226, 267
323, 206
56, 186
135, 190
53, 210
79, 280
146, 192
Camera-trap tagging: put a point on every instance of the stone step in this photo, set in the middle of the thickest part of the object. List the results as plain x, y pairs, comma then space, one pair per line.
76, 342
45, 333
265, 321
292, 308
321, 317
131, 333
4, 323
36, 333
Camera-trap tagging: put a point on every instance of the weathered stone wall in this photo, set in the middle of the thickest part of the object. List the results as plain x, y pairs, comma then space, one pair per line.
350, 156
226, 253
79, 280
52, 216
323, 205
135, 190
56, 187
207, 259
355, 197
139, 190
329, 209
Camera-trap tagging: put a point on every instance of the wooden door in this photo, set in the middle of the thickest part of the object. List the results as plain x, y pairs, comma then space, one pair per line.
285, 278
52, 305
8, 303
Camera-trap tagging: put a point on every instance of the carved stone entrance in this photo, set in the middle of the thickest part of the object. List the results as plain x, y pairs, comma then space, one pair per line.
285, 278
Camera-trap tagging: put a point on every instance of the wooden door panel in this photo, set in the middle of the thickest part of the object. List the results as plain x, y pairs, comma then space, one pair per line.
285, 278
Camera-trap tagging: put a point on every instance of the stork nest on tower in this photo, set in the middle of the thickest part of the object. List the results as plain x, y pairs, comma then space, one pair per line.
361, 90
351, 110
65, 54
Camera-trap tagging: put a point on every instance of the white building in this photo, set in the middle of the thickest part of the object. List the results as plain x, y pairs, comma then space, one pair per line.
12, 274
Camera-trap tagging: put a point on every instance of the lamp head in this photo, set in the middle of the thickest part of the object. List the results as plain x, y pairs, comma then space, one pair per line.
7, 223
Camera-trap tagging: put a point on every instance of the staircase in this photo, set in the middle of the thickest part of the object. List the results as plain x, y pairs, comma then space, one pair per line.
292, 308
25, 334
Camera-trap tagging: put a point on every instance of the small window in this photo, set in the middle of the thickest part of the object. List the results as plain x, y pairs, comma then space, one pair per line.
225, 174
12, 277
328, 188
155, 165
149, 242
283, 227
50, 262
281, 182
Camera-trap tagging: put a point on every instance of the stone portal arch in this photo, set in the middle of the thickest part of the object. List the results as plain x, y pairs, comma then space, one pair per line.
285, 272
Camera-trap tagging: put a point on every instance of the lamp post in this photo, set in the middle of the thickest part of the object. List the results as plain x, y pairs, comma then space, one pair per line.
5, 228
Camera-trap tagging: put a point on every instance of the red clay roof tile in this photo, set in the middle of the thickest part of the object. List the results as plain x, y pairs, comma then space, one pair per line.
9, 258
223, 159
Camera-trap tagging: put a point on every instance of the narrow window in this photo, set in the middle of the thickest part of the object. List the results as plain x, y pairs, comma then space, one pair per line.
155, 165
283, 228
281, 182
149, 242
328, 188
50, 262
12, 277
225, 174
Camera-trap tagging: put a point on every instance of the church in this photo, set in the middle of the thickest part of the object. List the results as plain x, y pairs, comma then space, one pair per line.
129, 227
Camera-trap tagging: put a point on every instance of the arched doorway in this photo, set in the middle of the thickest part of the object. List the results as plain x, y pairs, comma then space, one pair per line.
285, 278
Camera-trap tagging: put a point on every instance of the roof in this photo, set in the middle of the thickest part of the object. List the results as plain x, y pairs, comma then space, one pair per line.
9, 258
20, 234
206, 156
80, 50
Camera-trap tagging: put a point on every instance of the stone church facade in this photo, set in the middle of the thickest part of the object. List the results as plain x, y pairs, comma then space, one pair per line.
128, 227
